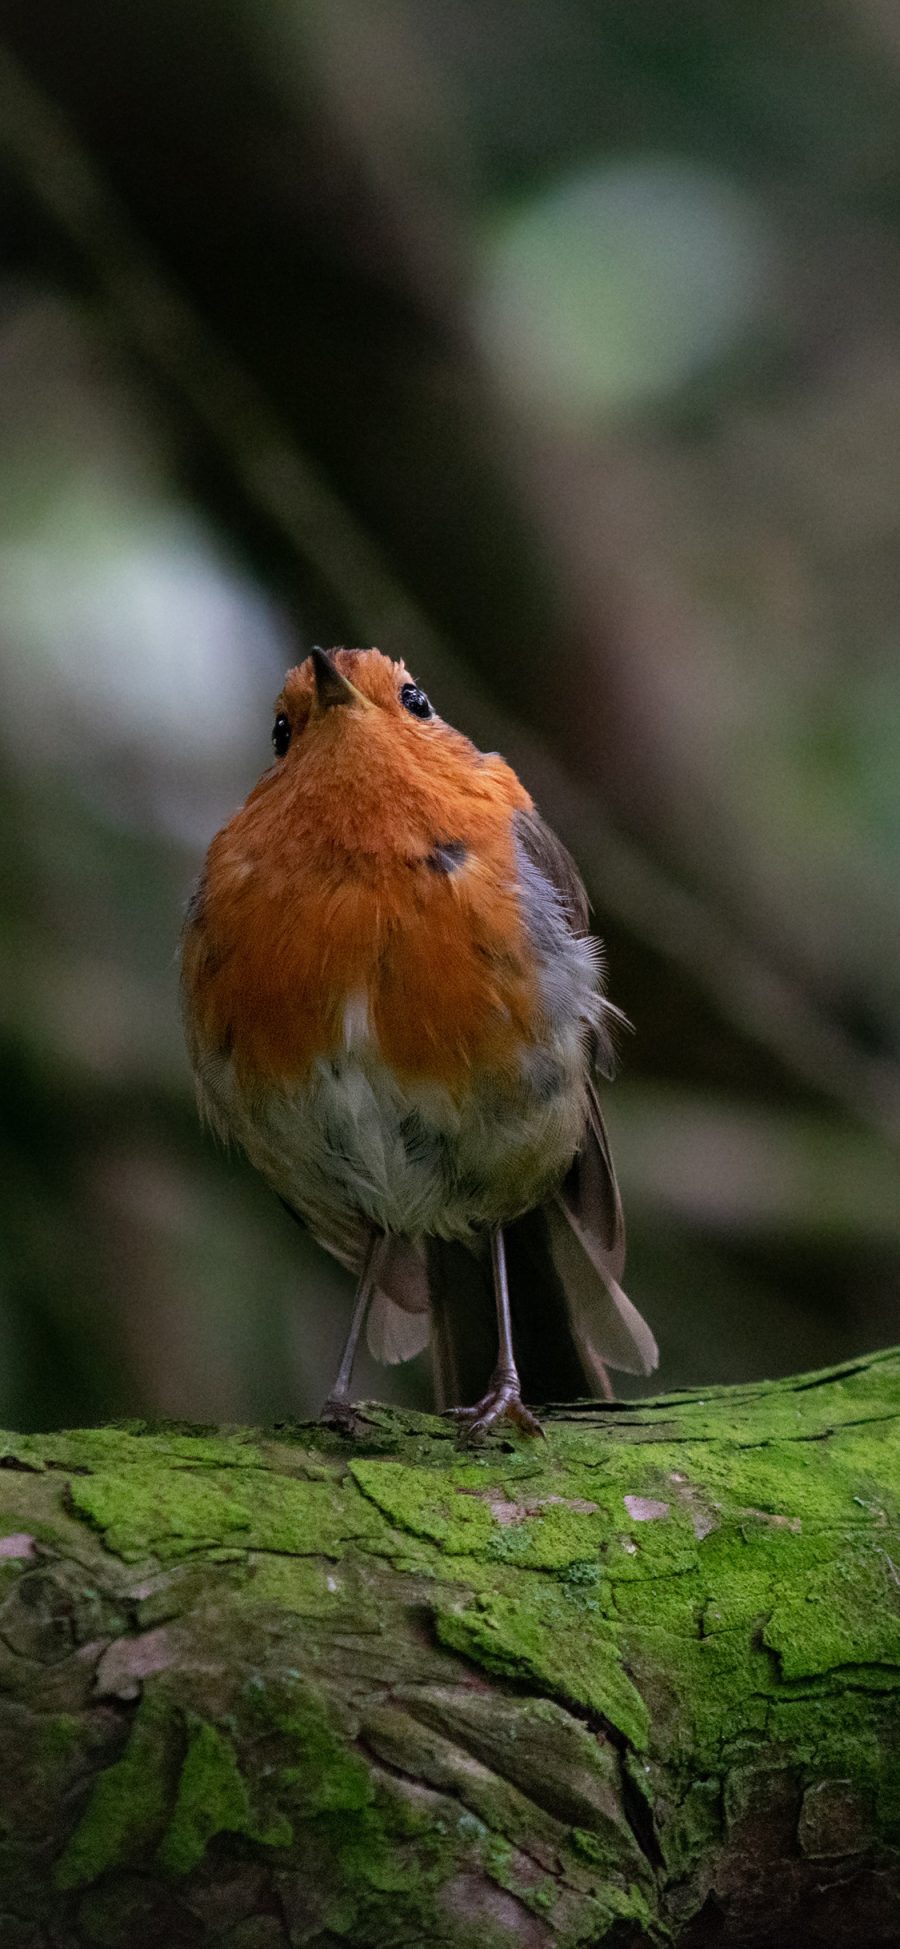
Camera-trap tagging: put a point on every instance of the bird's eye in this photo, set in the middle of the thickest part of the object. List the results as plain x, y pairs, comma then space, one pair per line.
281, 734
415, 701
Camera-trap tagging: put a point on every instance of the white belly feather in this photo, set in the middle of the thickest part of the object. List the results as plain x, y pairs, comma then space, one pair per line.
353, 1142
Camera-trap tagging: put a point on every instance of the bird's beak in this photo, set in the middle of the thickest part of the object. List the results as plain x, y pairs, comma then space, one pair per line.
331, 686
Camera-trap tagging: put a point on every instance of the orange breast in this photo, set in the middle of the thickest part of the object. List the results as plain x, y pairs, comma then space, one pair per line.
295, 927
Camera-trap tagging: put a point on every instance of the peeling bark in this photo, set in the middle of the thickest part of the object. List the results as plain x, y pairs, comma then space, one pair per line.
636, 1684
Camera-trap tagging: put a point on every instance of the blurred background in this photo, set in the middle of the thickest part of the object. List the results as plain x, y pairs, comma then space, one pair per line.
557, 349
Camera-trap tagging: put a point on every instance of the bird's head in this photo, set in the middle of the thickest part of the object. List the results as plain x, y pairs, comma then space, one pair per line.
356, 695
362, 757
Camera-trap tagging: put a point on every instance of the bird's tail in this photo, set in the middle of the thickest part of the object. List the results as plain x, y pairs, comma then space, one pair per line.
570, 1317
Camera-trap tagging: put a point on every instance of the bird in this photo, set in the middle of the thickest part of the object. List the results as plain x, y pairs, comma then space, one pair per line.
393, 1003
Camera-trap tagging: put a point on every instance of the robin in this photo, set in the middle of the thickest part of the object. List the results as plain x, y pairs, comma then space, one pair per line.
393, 1003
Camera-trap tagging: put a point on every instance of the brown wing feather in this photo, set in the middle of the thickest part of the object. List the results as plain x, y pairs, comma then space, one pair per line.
588, 1249
590, 1190
555, 862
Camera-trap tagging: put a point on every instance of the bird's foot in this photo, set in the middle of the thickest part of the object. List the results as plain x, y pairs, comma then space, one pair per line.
340, 1414
502, 1402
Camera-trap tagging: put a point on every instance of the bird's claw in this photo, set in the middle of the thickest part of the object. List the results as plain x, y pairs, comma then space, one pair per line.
502, 1402
340, 1415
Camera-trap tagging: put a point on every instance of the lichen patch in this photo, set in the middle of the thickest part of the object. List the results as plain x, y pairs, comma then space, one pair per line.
20, 1545
645, 1509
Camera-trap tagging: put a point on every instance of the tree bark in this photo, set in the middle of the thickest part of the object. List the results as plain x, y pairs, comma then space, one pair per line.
637, 1683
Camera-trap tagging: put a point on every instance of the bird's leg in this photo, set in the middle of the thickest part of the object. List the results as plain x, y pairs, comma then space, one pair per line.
338, 1411
503, 1400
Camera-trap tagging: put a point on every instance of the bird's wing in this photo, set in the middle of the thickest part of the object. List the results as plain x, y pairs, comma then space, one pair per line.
554, 862
586, 1228
590, 1193
346, 1239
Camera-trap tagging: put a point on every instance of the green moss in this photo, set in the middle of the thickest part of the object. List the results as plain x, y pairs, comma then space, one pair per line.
670, 1604
22, 1451
386, 1857
10, 1571
377, 1858
551, 1519
138, 1443
212, 1798
544, 1634
589, 1847
544, 1520
792, 1410
843, 1613
702, 1694
174, 1511
57, 1738
406, 1495
128, 1805
848, 1740
313, 1588
144, 1508
321, 1775
687, 1834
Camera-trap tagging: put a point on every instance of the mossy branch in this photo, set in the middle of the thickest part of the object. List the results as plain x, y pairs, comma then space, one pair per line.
636, 1684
